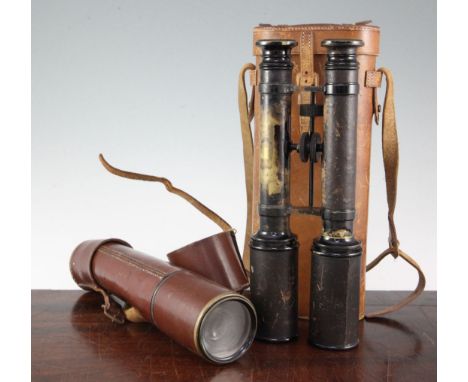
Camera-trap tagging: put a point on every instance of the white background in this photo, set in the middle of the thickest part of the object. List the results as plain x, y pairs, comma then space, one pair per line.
15, 203
152, 85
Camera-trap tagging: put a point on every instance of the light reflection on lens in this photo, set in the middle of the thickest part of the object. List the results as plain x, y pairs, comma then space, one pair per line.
227, 331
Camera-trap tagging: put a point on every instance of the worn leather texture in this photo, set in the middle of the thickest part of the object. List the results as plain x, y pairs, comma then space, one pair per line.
82, 259
309, 59
216, 258
170, 297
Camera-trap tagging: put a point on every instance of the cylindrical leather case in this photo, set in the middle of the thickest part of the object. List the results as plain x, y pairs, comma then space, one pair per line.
309, 57
180, 303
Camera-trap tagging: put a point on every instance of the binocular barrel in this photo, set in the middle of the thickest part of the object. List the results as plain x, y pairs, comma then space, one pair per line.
336, 255
274, 249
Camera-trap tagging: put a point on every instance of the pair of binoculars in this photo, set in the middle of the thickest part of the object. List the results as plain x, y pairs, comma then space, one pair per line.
336, 254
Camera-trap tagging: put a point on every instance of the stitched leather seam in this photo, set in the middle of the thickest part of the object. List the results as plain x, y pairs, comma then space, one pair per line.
316, 28
128, 260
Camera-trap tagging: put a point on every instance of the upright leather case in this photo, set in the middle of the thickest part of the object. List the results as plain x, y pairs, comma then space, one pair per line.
309, 59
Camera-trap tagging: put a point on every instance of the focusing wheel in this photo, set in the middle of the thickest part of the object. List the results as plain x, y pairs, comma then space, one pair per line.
310, 147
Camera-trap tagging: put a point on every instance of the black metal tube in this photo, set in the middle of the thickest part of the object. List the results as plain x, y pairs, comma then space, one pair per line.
273, 258
336, 255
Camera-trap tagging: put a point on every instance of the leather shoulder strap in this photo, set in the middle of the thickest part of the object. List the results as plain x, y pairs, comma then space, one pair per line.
210, 214
246, 110
391, 158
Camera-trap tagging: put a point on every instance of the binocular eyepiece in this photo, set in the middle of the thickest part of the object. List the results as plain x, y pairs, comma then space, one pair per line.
336, 254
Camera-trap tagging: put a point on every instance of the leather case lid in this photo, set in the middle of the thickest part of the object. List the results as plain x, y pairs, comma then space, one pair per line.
370, 34
216, 257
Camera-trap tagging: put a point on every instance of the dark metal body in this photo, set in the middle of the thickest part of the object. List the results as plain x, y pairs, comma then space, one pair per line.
336, 255
274, 249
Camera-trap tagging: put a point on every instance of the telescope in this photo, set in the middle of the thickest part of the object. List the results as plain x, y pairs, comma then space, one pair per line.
207, 318
336, 254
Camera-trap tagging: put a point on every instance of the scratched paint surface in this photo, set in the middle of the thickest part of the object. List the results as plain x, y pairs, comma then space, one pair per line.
72, 340
269, 173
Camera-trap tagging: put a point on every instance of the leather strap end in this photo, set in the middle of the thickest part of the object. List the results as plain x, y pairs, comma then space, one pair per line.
210, 214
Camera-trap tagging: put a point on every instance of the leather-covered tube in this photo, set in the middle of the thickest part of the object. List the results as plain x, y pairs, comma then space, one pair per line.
182, 304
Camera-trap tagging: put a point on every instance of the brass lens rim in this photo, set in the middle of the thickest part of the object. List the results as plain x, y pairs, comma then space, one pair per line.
211, 305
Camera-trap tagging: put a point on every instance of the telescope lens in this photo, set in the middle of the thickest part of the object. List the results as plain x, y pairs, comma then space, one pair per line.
227, 330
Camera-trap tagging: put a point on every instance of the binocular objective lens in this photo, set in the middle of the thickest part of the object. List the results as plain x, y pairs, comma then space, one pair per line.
227, 331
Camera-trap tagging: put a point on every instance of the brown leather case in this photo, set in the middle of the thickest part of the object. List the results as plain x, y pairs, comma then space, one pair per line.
216, 257
173, 299
309, 58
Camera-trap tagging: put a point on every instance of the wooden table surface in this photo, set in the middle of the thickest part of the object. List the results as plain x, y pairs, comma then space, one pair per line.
73, 341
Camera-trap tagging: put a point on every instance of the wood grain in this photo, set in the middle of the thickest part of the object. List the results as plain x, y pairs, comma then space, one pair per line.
73, 341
